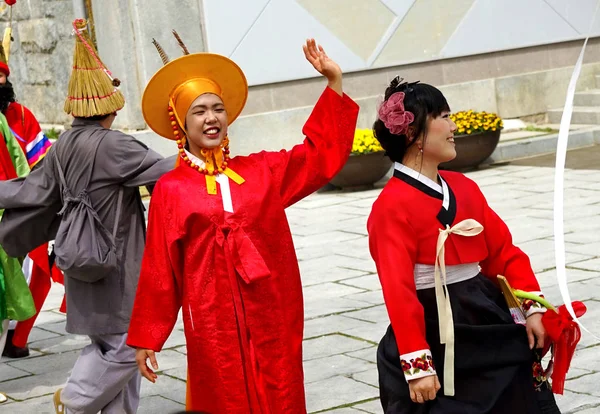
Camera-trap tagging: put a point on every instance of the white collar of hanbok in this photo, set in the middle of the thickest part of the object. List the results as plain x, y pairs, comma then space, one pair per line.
195, 159
441, 189
419, 177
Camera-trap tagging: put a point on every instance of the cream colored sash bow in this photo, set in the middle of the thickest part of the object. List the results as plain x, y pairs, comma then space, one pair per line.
468, 228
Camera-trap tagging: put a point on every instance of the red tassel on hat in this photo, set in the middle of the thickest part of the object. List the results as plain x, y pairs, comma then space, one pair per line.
565, 335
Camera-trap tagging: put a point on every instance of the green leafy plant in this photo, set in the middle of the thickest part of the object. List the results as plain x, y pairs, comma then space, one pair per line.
533, 128
52, 133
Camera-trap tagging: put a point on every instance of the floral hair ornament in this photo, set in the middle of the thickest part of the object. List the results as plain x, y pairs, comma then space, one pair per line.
394, 116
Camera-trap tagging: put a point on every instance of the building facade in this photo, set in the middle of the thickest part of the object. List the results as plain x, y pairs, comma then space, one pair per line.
513, 57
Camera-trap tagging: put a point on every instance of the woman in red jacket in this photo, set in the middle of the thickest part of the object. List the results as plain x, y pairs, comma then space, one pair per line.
219, 245
439, 248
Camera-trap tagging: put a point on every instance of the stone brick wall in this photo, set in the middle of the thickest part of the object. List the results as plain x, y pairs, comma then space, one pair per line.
515, 83
41, 55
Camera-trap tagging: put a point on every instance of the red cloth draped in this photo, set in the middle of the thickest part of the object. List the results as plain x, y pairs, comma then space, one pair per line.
565, 335
7, 169
39, 287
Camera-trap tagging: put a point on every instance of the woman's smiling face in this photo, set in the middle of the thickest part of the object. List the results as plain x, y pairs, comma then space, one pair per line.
206, 123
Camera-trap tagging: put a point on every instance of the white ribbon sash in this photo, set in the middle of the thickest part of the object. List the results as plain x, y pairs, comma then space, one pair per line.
561, 154
468, 228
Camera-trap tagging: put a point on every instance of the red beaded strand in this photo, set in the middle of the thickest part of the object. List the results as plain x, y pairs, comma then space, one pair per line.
184, 157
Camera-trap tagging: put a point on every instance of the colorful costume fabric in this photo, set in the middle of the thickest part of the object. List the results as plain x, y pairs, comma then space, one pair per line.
16, 302
35, 145
28, 132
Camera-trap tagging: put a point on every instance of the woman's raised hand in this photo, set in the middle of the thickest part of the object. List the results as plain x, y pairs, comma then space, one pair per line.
323, 64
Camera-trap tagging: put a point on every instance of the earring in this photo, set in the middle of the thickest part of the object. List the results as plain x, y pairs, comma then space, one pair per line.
419, 155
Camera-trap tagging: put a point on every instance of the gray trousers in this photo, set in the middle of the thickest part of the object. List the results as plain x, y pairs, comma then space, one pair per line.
105, 378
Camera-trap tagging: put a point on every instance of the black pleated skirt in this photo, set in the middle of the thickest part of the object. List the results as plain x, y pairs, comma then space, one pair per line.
493, 362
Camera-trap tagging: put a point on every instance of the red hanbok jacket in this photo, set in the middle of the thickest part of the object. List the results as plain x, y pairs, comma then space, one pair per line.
403, 230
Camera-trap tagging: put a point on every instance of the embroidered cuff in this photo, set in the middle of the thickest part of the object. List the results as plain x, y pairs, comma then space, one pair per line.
531, 306
417, 364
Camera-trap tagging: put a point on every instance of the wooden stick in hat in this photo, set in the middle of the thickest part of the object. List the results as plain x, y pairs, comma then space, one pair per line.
181, 44
163, 55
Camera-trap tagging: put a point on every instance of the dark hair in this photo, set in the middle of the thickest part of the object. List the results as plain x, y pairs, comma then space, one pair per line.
422, 100
7, 95
97, 117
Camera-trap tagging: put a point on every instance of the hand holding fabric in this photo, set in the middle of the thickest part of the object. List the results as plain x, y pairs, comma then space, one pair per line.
536, 331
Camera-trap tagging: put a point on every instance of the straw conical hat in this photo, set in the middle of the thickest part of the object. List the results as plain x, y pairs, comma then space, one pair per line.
92, 89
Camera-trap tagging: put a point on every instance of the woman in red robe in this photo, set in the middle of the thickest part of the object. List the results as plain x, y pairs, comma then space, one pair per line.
219, 246
439, 248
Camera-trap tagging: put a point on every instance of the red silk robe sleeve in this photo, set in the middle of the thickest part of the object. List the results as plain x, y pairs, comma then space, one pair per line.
29, 133
392, 242
158, 300
329, 135
37, 143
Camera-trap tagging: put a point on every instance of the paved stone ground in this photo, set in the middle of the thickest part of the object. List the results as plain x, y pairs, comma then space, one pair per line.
345, 317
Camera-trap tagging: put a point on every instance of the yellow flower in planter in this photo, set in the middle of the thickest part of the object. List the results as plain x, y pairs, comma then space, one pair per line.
472, 122
365, 142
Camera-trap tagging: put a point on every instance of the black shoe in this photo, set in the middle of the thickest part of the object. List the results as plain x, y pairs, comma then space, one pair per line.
12, 351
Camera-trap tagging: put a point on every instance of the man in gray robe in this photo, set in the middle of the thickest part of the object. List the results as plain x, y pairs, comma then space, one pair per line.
105, 377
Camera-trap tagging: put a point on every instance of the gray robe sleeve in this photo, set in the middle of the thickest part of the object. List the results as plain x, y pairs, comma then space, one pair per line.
131, 163
31, 204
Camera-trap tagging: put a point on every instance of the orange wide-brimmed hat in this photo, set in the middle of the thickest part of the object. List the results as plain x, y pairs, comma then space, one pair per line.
182, 80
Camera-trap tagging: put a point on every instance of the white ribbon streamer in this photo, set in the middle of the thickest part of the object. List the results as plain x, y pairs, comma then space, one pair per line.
561, 154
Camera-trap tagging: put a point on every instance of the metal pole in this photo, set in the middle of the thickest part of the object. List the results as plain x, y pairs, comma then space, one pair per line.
90, 19
79, 9
82, 9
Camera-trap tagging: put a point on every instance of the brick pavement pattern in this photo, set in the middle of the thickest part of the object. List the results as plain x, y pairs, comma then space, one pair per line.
345, 316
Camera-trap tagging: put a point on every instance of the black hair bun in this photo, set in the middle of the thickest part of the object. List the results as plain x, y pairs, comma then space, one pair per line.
398, 85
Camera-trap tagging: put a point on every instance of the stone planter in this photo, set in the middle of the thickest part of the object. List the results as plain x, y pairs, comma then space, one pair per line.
361, 171
472, 150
